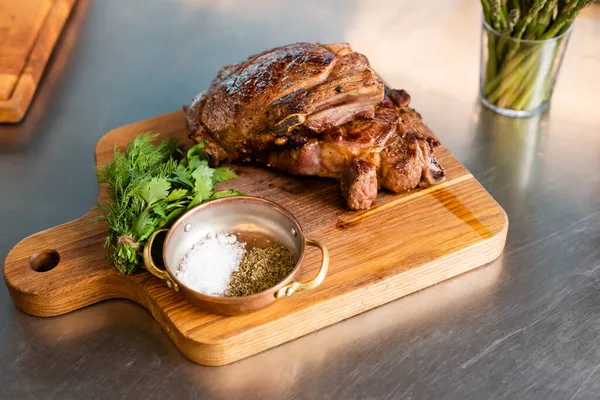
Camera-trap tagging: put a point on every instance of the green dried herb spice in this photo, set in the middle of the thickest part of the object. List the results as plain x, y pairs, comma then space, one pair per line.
260, 269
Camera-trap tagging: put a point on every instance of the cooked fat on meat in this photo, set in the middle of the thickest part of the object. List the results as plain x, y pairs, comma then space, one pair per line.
312, 109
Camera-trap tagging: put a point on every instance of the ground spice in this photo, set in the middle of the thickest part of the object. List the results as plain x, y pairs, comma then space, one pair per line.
260, 269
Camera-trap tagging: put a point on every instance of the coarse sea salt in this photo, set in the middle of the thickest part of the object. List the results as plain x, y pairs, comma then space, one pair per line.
208, 265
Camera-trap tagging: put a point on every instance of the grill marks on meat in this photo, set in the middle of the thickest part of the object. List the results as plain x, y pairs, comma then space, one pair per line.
317, 110
329, 104
278, 90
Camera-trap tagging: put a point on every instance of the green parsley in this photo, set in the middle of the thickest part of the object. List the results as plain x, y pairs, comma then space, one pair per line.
150, 186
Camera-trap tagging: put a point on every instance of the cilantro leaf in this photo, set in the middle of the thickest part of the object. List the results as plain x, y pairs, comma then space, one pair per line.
159, 209
203, 183
222, 175
202, 170
155, 190
203, 188
182, 176
176, 194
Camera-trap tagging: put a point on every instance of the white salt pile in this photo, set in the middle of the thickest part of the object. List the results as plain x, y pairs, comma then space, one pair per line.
208, 265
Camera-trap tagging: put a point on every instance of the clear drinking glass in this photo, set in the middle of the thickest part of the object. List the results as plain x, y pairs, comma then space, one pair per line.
517, 77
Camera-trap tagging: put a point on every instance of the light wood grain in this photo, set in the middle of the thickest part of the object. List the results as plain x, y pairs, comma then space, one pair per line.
28, 30
403, 244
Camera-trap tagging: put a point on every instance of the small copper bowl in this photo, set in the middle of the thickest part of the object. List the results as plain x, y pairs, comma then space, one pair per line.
242, 215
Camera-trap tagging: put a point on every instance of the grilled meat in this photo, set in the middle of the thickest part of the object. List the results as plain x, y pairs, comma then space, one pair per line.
252, 103
317, 110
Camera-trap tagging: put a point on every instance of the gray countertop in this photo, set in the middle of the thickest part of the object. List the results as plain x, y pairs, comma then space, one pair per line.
526, 326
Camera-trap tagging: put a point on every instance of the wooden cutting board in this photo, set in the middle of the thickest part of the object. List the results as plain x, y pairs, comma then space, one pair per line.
29, 30
403, 244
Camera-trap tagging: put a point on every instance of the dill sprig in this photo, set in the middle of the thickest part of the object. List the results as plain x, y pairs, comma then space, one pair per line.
150, 186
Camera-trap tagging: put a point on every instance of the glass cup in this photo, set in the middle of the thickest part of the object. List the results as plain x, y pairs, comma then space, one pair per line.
517, 77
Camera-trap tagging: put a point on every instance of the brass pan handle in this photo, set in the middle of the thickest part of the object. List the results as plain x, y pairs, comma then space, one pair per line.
296, 286
152, 268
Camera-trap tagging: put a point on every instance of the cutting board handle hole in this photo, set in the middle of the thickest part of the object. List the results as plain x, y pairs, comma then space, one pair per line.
44, 261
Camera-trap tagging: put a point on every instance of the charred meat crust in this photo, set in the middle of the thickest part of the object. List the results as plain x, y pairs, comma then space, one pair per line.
199, 133
295, 79
317, 110
400, 97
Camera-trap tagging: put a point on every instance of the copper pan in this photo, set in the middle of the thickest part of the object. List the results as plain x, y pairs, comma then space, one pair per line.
241, 215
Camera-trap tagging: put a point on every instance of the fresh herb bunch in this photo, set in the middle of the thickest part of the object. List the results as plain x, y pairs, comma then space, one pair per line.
150, 186
514, 68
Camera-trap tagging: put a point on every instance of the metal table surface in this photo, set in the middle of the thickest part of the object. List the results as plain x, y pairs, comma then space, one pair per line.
525, 327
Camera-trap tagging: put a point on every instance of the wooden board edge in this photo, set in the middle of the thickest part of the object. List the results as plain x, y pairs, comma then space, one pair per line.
46, 305
361, 300
39, 303
15, 108
226, 352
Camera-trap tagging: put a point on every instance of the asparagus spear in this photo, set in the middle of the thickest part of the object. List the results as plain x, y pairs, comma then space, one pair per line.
543, 20
564, 19
521, 26
531, 14
511, 96
485, 5
496, 15
515, 5
492, 59
512, 67
525, 97
503, 42
513, 18
504, 10
513, 76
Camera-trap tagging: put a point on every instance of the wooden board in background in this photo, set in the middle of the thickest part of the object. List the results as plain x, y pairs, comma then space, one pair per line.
405, 243
29, 30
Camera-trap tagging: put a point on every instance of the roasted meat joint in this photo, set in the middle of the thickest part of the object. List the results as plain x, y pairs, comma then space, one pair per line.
317, 109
